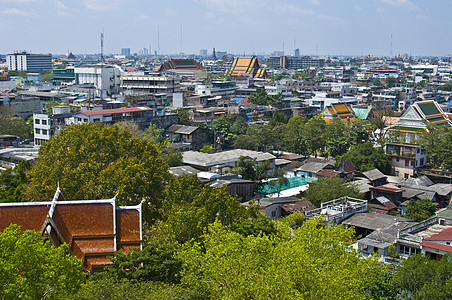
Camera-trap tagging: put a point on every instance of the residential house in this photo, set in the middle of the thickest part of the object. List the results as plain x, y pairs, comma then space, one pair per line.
375, 176
140, 115
218, 161
312, 166
195, 136
406, 158
338, 210
236, 187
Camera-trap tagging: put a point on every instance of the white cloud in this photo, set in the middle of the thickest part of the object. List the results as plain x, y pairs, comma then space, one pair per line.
103, 5
61, 8
292, 9
401, 3
15, 11
332, 19
315, 2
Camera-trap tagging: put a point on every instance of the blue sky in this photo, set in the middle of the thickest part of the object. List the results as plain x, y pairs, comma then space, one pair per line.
326, 27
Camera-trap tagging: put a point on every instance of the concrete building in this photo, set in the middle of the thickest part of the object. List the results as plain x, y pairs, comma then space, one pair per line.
29, 62
125, 51
139, 115
47, 125
106, 79
150, 84
406, 158
294, 62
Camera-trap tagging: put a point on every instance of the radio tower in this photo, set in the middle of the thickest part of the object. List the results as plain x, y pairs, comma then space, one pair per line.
102, 47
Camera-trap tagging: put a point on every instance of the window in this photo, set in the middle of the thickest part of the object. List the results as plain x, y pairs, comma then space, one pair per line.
274, 214
37, 131
44, 122
407, 163
44, 131
406, 176
397, 159
412, 163
36, 121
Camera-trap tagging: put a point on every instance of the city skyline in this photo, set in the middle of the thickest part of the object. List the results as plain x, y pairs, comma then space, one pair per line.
322, 27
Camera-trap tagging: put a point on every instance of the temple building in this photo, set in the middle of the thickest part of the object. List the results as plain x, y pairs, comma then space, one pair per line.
338, 111
93, 229
418, 117
246, 67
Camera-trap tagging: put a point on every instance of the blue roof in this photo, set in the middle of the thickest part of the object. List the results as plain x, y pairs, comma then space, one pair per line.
238, 99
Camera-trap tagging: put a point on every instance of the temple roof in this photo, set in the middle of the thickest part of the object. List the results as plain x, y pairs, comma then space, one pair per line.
93, 229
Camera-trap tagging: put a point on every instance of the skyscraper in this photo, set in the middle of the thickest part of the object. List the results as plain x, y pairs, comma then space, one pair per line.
125, 51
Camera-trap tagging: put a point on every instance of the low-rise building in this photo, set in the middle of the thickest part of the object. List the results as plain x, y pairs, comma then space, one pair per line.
406, 158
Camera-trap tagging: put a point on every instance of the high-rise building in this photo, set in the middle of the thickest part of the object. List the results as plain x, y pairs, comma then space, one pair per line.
145, 51
203, 52
125, 51
297, 52
29, 62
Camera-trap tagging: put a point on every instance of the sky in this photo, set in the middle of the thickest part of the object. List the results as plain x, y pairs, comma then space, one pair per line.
323, 27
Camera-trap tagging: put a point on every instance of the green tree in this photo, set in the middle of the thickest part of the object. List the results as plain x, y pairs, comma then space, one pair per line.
366, 157
51, 104
33, 269
182, 112
420, 209
155, 134
154, 263
294, 266
107, 288
437, 142
421, 278
294, 135
260, 97
95, 161
315, 135
12, 181
10, 124
329, 188
278, 118
227, 128
189, 207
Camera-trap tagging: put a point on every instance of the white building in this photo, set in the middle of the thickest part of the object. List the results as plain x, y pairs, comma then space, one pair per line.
47, 125
106, 79
29, 62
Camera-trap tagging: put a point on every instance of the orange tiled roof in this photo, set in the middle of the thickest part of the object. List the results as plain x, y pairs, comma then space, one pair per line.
93, 229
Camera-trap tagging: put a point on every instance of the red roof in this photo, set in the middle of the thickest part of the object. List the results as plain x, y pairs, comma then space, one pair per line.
444, 235
327, 173
115, 111
93, 229
387, 188
437, 246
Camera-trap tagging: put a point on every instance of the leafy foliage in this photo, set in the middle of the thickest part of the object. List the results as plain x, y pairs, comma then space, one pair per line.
33, 269
107, 288
231, 266
260, 97
12, 182
10, 124
326, 189
189, 207
366, 157
420, 209
154, 263
95, 161
227, 128
421, 278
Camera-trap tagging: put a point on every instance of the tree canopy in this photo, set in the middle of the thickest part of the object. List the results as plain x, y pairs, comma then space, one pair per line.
260, 97
312, 262
326, 189
420, 209
95, 161
10, 124
366, 157
33, 269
